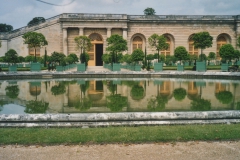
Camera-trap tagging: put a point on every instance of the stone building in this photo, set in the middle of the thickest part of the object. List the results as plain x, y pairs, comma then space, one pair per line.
136, 29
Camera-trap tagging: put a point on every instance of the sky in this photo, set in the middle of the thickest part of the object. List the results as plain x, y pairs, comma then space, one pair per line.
19, 12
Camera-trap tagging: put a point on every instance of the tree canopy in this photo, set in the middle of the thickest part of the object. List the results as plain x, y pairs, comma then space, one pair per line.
202, 40
116, 44
36, 21
149, 11
227, 52
137, 55
11, 56
158, 42
5, 27
83, 43
57, 57
180, 53
34, 40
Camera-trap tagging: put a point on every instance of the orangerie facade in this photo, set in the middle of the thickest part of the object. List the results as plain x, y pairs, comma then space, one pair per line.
61, 30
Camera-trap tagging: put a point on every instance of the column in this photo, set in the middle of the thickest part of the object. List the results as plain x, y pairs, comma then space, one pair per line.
81, 31
109, 32
125, 33
65, 49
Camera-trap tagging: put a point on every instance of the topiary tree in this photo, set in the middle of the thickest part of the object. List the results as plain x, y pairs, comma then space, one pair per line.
106, 58
226, 52
149, 58
35, 21
158, 42
202, 40
137, 55
57, 57
11, 56
74, 57
179, 94
180, 53
29, 58
34, 40
225, 97
83, 44
237, 54
149, 11
212, 55
116, 44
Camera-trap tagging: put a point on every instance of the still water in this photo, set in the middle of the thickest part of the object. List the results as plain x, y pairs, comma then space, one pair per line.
117, 95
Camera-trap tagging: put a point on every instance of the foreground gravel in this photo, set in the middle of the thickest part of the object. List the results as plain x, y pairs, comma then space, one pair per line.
227, 150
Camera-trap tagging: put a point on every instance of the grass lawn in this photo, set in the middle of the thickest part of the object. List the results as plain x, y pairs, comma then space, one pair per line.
142, 134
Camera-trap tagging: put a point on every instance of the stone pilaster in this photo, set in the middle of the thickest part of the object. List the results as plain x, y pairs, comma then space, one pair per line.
81, 31
125, 33
109, 32
65, 49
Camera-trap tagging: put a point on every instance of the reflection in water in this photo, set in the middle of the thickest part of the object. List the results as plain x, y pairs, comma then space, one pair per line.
80, 95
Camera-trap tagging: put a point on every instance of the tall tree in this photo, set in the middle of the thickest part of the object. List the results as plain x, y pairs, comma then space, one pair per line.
36, 21
149, 11
202, 40
116, 44
34, 40
83, 43
158, 42
5, 27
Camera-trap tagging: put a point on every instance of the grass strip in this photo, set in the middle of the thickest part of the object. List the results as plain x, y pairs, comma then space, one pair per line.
142, 134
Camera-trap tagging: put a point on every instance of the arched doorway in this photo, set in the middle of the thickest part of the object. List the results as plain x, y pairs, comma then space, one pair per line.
96, 51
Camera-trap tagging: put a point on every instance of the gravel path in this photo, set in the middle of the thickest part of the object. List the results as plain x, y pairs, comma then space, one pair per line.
228, 150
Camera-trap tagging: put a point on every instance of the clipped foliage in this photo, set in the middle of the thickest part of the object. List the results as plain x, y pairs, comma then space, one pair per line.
179, 94
180, 53
227, 52
127, 58
106, 58
58, 89
57, 57
11, 56
212, 55
225, 97
137, 55
116, 102
73, 57
137, 92
200, 105
34, 107
12, 91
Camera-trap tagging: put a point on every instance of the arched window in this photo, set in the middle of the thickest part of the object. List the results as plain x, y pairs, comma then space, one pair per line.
168, 51
192, 50
137, 43
95, 37
220, 42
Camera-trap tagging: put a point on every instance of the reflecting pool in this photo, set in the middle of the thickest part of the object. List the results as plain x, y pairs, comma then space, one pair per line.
117, 95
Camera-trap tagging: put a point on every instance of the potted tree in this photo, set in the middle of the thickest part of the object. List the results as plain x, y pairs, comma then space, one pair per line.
159, 43
211, 57
149, 58
226, 52
181, 54
83, 44
11, 57
35, 40
202, 40
137, 56
115, 45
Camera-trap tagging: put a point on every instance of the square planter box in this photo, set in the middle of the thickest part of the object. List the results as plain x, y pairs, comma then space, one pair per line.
35, 67
186, 64
180, 67
158, 66
238, 63
12, 68
137, 67
224, 67
116, 67
81, 67
59, 68
201, 66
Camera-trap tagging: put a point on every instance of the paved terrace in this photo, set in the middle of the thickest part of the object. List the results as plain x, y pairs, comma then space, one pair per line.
100, 72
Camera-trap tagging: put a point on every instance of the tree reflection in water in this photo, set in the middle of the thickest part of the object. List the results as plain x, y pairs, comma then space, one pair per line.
225, 97
12, 91
179, 94
200, 104
35, 106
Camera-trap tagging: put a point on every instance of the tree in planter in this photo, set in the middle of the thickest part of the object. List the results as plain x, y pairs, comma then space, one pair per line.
29, 58
106, 58
149, 11
149, 58
203, 57
158, 42
179, 94
57, 57
11, 56
202, 40
193, 57
137, 55
237, 54
34, 40
12, 91
226, 52
211, 56
225, 97
116, 44
83, 44
74, 57
180, 53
